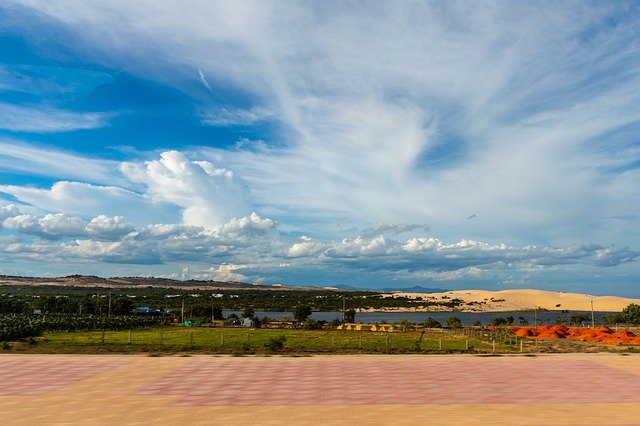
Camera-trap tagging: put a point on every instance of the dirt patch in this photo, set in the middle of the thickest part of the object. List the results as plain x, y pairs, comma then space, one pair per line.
585, 334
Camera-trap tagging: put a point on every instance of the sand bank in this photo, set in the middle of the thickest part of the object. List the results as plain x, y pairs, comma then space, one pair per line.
525, 299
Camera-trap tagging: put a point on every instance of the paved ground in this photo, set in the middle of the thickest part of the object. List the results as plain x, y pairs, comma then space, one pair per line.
373, 389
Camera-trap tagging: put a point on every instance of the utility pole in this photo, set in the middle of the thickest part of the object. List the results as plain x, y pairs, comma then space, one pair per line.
343, 308
593, 321
109, 303
182, 312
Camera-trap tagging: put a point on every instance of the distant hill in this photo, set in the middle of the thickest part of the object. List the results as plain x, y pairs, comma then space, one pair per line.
124, 282
415, 289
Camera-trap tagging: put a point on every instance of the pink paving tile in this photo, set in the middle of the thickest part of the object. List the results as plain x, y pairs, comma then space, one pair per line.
38, 378
355, 382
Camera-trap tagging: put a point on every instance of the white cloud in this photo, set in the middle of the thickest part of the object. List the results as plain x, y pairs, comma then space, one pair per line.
208, 195
458, 274
204, 80
51, 226
226, 117
430, 257
413, 112
249, 225
306, 247
39, 119
104, 227
226, 272
8, 211
359, 246
395, 113
84, 199
54, 163
59, 225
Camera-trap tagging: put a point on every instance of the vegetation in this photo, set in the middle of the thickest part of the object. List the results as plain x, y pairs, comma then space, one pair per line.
14, 327
578, 319
302, 312
256, 341
454, 322
632, 314
500, 321
431, 323
629, 315
198, 303
350, 315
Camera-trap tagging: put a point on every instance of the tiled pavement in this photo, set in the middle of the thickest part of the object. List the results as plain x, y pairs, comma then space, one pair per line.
369, 389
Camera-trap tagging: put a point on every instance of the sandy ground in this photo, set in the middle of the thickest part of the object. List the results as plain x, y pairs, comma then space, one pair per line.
525, 299
588, 389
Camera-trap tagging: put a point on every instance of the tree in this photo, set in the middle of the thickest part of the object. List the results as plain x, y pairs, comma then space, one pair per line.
216, 312
500, 321
614, 319
431, 323
302, 312
350, 315
248, 312
122, 305
454, 322
632, 314
522, 320
578, 319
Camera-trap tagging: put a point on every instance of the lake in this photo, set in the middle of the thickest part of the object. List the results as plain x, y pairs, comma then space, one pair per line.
467, 318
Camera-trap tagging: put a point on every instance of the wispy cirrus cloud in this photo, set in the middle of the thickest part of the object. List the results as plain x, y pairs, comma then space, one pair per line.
238, 117
44, 119
407, 113
522, 117
50, 162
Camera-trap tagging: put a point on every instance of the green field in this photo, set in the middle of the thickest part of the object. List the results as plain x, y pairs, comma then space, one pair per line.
259, 341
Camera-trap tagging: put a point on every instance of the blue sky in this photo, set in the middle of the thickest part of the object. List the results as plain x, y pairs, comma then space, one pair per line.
445, 144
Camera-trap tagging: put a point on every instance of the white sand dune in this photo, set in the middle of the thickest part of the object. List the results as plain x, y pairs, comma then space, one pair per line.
525, 299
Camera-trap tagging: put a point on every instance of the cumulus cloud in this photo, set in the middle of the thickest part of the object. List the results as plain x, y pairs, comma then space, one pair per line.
103, 227
410, 113
404, 113
251, 225
208, 195
306, 247
52, 226
92, 200
359, 246
434, 275
59, 225
226, 272
114, 240
8, 211
430, 257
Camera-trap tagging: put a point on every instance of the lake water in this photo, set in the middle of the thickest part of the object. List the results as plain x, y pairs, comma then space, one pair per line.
467, 318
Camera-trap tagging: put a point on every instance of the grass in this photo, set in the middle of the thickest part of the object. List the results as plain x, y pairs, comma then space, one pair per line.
258, 341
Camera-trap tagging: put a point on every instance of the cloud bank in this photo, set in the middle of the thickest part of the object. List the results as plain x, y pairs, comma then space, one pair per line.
405, 141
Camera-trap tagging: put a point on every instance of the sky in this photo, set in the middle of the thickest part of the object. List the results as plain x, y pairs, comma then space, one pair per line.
447, 144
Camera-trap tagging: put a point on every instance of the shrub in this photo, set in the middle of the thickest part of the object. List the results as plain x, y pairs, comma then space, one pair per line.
431, 323
276, 344
454, 322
